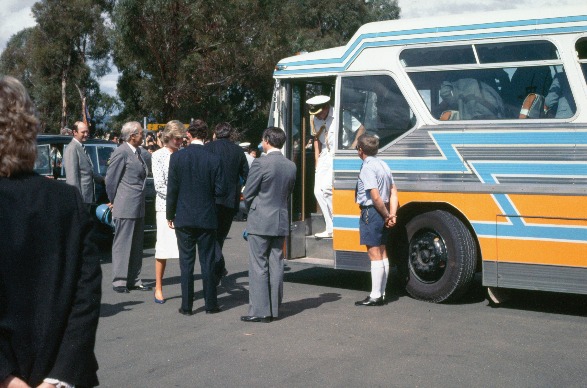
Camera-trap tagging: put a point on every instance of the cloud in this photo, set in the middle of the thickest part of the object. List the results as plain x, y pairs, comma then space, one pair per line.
108, 82
426, 8
15, 15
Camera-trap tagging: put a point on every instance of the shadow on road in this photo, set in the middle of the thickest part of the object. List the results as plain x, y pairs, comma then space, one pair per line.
237, 296
328, 277
289, 309
546, 302
109, 310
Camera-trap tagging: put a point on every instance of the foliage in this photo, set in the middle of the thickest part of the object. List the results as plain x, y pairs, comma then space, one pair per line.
60, 57
182, 59
178, 59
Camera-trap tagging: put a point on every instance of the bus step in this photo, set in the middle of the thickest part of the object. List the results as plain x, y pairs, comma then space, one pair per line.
320, 248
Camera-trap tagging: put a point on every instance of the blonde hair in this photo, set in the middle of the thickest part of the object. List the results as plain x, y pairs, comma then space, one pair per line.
19, 126
174, 128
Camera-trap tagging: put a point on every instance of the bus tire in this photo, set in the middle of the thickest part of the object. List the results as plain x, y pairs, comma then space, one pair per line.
441, 257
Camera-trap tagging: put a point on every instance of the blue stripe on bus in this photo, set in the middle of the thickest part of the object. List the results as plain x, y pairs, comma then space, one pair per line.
489, 172
451, 161
340, 66
449, 29
516, 230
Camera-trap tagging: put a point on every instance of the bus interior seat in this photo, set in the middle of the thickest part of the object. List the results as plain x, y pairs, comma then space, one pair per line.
532, 107
449, 115
525, 81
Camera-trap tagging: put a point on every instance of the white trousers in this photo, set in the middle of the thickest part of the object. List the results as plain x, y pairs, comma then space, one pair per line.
323, 187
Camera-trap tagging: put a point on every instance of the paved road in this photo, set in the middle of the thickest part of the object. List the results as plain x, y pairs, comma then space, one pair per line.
323, 340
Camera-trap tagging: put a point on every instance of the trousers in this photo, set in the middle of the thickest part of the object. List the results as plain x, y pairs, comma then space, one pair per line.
323, 187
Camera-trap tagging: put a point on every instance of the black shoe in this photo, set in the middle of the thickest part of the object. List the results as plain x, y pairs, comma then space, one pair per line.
141, 287
368, 301
213, 311
185, 312
249, 318
121, 289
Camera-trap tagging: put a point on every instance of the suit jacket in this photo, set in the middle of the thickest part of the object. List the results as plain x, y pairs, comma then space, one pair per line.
50, 289
126, 179
235, 167
79, 171
195, 181
270, 183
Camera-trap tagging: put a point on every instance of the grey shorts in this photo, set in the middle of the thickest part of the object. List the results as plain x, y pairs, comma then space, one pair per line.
372, 227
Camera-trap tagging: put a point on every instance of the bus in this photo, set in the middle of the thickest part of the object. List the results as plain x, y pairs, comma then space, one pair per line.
482, 119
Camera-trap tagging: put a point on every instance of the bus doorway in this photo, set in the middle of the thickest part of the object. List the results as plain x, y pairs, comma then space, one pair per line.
306, 218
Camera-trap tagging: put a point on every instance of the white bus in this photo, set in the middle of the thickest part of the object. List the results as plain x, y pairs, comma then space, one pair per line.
483, 120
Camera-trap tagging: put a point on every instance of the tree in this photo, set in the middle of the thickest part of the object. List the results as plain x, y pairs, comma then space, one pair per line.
214, 59
64, 52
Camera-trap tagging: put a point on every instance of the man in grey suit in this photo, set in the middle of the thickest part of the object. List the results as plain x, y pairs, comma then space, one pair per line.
269, 185
79, 171
125, 185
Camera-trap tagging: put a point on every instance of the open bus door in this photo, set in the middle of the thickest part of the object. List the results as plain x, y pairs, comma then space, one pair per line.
305, 221
296, 129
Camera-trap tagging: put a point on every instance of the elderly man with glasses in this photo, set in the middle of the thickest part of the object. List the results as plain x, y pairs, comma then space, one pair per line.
125, 185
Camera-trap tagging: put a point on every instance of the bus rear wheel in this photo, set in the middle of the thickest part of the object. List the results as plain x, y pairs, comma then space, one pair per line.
441, 257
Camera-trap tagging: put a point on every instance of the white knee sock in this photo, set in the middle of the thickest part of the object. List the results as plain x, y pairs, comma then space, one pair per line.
385, 274
377, 273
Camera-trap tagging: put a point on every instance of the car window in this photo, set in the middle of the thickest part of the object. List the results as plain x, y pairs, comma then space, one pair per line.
43, 162
100, 158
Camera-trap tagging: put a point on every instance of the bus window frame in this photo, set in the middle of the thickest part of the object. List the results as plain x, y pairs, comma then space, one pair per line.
416, 121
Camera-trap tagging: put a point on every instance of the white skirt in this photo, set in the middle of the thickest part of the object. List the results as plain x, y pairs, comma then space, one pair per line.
166, 246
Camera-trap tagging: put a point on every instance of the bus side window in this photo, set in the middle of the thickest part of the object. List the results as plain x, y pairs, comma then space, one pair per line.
375, 102
559, 102
581, 49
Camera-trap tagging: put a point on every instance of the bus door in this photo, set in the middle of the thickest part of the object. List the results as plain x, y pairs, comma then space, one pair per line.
305, 219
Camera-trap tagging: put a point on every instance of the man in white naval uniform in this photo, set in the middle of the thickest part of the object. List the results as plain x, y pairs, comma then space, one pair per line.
321, 118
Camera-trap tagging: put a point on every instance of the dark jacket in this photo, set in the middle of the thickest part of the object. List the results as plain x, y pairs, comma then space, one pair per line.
235, 167
195, 181
49, 288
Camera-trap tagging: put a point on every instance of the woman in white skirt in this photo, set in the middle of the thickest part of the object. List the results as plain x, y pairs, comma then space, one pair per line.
166, 246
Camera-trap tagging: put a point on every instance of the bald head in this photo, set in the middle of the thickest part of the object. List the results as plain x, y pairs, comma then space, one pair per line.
80, 131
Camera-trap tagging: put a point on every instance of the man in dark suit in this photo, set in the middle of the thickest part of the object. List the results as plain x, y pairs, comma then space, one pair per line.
195, 181
79, 170
125, 185
236, 169
270, 183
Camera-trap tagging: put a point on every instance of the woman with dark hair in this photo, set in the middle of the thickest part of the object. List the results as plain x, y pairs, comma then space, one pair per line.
49, 289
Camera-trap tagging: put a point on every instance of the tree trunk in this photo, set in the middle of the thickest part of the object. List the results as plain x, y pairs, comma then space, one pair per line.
64, 93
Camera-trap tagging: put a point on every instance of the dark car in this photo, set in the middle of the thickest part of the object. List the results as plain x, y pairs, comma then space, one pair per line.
50, 151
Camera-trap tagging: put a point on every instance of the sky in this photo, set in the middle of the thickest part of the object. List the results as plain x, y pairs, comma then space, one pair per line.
16, 15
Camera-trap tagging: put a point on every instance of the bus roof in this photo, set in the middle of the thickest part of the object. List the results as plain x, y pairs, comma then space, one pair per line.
452, 28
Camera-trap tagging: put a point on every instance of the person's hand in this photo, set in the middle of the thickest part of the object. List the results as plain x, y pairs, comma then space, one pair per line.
170, 224
13, 382
390, 221
110, 205
45, 385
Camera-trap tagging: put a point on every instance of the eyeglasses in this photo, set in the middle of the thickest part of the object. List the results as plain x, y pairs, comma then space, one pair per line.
357, 147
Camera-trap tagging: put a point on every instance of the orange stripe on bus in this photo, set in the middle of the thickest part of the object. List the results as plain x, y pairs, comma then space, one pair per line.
557, 206
542, 252
347, 240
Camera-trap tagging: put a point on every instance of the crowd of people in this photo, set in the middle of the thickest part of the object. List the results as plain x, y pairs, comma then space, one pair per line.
198, 188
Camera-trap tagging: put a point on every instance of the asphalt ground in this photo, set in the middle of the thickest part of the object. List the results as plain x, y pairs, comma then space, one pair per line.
322, 340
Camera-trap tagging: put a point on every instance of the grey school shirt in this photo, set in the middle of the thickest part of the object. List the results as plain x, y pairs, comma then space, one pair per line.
374, 174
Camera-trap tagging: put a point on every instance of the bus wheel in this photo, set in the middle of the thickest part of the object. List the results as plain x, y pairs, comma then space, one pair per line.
441, 257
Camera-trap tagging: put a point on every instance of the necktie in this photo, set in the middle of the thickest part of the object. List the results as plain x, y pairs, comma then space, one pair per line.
138, 152
87, 154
